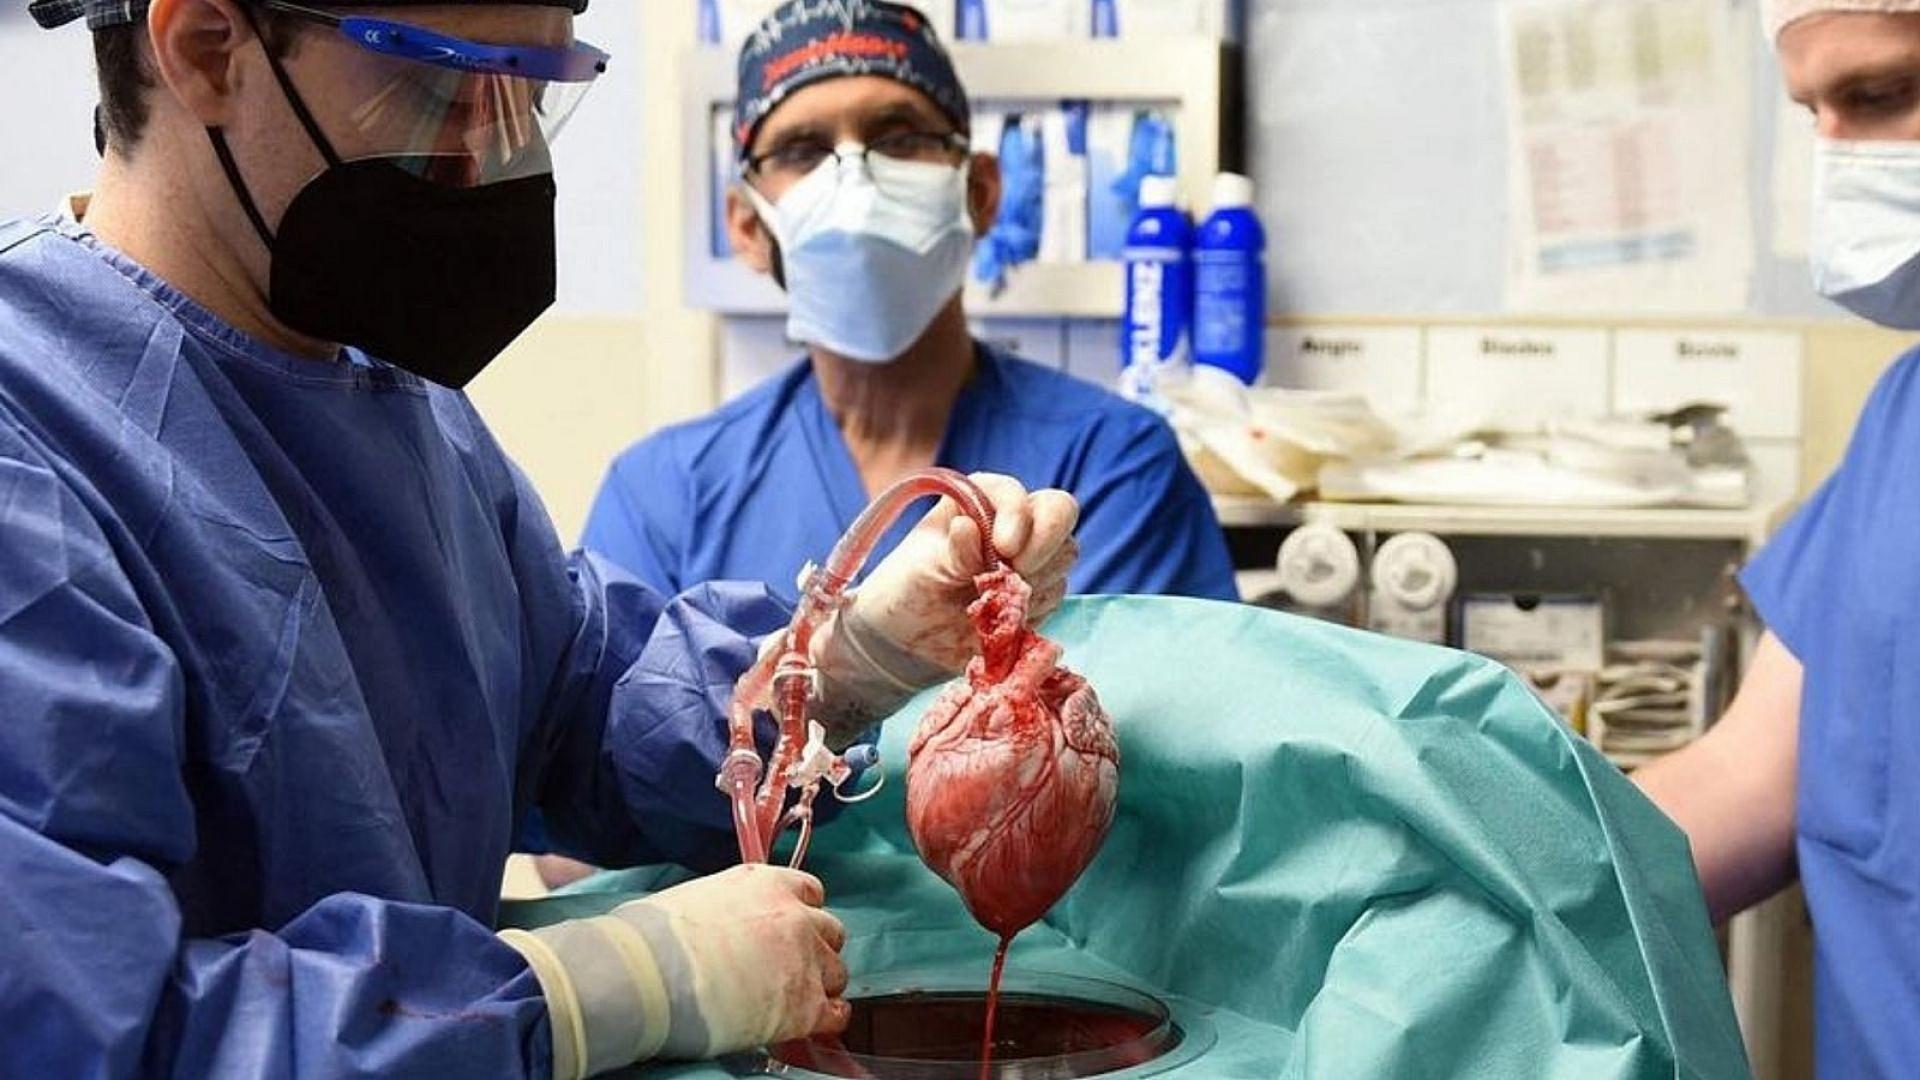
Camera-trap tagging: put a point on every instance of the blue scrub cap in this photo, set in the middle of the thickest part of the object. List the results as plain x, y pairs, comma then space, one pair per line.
101, 14
808, 41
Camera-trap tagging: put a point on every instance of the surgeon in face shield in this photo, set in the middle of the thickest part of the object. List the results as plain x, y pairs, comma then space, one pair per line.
290, 657
856, 190
1810, 774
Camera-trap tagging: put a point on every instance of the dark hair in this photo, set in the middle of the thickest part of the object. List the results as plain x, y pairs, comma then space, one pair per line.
119, 57
125, 70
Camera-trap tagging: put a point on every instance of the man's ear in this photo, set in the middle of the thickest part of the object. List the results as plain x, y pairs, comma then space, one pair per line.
196, 45
983, 193
750, 238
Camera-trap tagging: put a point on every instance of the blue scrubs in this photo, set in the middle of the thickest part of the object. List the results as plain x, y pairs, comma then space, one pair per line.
763, 485
288, 653
1840, 586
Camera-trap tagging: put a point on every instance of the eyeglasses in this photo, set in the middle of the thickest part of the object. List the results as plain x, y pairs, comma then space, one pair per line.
457, 112
575, 63
791, 161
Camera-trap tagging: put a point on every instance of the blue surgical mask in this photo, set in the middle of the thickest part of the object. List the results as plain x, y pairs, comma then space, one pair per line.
872, 249
1866, 229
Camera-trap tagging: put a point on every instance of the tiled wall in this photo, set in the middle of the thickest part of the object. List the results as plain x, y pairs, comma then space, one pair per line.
1517, 370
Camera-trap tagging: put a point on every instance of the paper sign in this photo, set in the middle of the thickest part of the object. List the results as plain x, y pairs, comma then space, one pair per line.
1381, 362
1519, 378
1755, 375
1628, 140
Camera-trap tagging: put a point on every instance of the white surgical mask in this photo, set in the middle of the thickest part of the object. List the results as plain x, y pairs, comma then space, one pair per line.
872, 249
1866, 229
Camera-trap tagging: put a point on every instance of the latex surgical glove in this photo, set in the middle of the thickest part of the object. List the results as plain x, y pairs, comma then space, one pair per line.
907, 627
728, 963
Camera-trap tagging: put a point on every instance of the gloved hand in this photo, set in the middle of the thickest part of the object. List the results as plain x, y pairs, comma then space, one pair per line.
907, 628
728, 963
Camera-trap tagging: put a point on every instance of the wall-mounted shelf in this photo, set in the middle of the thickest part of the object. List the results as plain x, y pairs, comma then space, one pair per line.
1750, 526
1187, 76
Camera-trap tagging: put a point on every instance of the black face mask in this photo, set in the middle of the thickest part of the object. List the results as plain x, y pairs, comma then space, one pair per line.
436, 280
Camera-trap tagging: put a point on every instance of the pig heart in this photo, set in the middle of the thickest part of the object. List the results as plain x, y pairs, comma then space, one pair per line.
1013, 774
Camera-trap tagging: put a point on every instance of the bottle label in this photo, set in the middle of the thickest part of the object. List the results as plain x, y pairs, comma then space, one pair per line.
1221, 308
1229, 315
1158, 295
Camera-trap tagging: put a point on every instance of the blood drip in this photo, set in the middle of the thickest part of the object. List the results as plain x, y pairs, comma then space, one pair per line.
993, 1006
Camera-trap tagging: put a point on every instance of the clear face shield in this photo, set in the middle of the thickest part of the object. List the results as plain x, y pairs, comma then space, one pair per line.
459, 113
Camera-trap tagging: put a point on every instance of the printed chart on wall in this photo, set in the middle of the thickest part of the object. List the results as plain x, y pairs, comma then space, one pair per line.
1629, 128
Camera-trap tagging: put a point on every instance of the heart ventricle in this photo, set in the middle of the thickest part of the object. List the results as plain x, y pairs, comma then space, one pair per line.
1014, 772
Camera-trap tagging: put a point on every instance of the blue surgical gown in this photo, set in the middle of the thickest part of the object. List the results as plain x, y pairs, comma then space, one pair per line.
763, 485
288, 650
1840, 587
